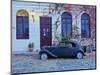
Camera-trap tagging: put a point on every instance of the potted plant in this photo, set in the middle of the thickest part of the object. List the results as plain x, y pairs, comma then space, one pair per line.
66, 38
30, 47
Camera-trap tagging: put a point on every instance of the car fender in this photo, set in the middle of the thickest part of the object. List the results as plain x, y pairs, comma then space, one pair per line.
81, 52
48, 52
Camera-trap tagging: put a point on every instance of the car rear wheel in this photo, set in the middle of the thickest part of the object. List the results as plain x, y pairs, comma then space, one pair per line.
79, 55
44, 56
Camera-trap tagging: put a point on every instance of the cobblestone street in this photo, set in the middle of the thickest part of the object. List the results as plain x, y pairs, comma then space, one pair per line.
25, 64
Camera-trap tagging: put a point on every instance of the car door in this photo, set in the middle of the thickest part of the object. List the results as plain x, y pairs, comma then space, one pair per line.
69, 50
58, 51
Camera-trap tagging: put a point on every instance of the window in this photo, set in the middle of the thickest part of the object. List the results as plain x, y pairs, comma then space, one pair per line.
22, 25
85, 26
66, 23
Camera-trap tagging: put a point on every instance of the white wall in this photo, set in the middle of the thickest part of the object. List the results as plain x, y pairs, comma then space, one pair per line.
34, 31
34, 26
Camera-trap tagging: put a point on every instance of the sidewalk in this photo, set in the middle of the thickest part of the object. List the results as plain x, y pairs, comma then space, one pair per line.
90, 54
24, 52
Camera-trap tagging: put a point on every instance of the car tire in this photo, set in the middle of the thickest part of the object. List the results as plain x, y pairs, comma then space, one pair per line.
44, 56
79, 55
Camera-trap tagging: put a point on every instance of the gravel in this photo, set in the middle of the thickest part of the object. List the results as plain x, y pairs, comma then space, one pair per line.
26, 64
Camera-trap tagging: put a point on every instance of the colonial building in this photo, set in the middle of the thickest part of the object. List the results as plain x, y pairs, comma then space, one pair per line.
36, 23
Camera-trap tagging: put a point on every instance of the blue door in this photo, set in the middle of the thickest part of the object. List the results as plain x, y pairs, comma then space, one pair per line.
66, 24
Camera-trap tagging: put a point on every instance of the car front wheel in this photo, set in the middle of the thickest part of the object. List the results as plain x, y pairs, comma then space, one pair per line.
79, 55
44, 56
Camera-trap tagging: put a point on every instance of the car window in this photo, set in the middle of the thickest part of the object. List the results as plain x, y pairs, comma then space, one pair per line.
70, 45
62, 44
73, 44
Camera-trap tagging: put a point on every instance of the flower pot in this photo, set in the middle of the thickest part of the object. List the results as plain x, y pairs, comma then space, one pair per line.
30, 49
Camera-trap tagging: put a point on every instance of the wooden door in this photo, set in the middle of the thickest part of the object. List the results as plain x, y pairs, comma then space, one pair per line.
45, 31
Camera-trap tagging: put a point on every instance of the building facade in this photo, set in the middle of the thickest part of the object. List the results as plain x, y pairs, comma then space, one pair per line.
36, 22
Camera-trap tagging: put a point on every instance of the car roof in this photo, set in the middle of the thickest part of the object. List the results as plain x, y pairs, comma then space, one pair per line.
75, 41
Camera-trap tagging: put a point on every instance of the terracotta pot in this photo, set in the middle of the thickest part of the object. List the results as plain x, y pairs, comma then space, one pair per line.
30, 49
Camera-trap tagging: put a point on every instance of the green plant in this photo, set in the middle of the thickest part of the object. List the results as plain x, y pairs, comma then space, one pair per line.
57, 36
75, 33
30, 45
66, 38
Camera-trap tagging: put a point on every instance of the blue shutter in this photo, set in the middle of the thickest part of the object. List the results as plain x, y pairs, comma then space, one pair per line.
19, 26
66, 23
22, 27
85, 26
26, 27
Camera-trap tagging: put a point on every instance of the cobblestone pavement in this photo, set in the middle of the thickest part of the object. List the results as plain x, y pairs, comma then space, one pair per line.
25, 64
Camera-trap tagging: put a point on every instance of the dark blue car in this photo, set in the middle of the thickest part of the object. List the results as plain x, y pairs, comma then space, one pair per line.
71, 49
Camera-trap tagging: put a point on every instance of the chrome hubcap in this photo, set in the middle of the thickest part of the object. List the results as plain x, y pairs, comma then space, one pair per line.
79, 55
44, 56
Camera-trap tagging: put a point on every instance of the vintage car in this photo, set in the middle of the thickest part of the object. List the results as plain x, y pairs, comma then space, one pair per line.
69, 49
